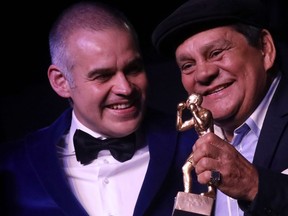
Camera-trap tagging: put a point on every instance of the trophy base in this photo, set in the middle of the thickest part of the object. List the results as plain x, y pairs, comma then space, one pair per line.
188, 204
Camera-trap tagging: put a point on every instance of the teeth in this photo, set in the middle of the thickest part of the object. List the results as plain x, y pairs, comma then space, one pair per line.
217, 90
120, 106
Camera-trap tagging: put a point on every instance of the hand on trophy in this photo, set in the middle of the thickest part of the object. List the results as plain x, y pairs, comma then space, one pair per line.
210, 152
211, 157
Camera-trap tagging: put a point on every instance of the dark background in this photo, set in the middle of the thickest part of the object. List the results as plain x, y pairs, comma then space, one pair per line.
28, 102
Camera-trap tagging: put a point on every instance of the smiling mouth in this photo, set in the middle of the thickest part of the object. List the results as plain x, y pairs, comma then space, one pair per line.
120, 106
218, 89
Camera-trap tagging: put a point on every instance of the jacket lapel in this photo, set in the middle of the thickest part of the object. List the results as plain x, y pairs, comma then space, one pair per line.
50, 171
162, 145
275, 122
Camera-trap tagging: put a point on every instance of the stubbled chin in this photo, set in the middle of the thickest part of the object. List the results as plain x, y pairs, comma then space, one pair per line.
126, 127
218, 109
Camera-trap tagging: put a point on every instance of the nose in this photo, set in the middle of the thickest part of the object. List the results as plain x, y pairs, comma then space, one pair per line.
122, 85
206, 72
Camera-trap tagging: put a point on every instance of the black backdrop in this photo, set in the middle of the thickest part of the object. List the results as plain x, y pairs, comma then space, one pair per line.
27, 101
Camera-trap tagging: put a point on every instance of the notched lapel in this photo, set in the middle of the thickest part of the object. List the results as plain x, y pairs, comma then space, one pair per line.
274, 126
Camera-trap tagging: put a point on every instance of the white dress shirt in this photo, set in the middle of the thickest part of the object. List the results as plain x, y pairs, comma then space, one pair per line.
105, 187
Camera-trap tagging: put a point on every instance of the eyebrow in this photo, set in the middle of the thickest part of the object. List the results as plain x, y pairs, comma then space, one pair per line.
215, 43
135, 61
220, 42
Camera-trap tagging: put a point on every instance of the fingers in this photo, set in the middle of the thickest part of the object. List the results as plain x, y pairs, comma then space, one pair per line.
218, 162
208, 146
206, 157
211, 153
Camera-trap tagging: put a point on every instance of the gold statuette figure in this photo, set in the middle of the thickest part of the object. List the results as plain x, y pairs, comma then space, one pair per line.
202, 120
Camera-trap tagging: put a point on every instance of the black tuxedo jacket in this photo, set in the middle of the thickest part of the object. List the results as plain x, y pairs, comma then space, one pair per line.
271, 157
33, 182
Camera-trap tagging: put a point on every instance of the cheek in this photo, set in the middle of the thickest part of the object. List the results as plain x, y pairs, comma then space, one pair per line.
187, 83
90, 94
142, 82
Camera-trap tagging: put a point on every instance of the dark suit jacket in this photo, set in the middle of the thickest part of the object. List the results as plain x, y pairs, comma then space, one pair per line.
271, 157
34, 184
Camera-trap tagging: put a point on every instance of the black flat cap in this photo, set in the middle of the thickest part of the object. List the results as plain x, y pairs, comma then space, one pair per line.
195, 16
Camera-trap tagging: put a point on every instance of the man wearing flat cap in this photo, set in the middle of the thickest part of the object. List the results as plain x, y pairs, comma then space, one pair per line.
226, 52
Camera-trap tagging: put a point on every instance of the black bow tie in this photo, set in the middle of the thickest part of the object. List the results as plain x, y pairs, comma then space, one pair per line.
87, 147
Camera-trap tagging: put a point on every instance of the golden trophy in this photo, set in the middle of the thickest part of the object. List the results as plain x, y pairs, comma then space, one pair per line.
187, 203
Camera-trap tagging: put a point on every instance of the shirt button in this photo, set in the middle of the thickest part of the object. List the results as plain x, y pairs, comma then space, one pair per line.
106, 181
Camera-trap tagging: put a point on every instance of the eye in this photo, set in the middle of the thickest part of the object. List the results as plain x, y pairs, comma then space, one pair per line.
135, 67
102, 76
215, 53
187, 68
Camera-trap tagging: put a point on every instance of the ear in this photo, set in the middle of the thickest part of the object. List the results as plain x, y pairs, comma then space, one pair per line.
268, 49
58, 81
